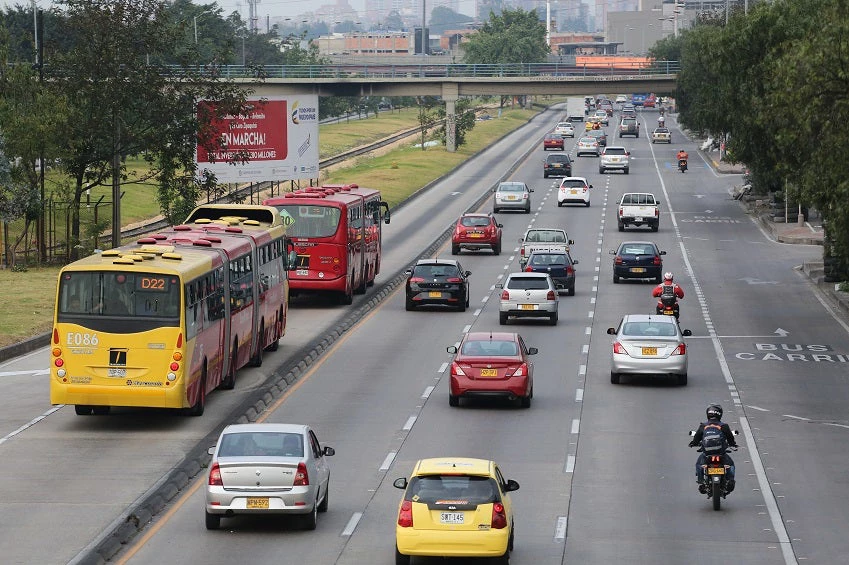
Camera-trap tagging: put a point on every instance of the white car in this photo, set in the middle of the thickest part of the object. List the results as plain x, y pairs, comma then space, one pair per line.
574, 189
614, 157
648, 344
267, 469
565, 129
587, 146
601, 115
621, 99
527, 295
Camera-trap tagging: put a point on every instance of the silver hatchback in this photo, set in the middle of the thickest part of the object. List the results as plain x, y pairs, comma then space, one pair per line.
512, 195
267, 469
648, 344
528, 295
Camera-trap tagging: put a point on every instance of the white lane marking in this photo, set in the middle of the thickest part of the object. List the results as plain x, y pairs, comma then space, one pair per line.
560, 529
585, 348
835, 425
491, 288
427, 392
595, 279
796, 417
477, 312
579, 395
467, 328
576, 426
506, 267
597, 269
591, 313
30, 424
485, 298
352, 524
592, 300
511, 258
409, 424
570, 464
388, 461
758, 408
515, 250
582, 370
501, 276
442, 368
33, 372
595, 289
588, 330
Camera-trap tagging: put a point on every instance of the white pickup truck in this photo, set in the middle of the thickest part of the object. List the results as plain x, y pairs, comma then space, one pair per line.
637, 209
543, 239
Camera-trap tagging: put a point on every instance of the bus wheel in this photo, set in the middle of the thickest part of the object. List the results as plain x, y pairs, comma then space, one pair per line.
83, 409
275, 345
101, 410
256, 360
346, 297
362, 288
229, 382
200, 403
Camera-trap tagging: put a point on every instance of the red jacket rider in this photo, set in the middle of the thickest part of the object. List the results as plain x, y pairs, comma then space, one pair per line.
682, 155
658, 290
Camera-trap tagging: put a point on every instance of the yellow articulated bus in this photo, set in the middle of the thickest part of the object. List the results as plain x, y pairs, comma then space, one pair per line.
164, 321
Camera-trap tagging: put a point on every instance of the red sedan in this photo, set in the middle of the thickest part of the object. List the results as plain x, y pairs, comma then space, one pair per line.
475, 232
492, 364
553, 141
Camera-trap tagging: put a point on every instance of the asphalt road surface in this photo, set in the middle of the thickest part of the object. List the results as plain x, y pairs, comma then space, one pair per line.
605, 472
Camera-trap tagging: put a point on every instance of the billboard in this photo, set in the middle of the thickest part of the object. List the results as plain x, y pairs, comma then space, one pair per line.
279, 136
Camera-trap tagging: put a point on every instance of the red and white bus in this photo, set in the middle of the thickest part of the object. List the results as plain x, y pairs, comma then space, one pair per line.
337, 234
164, 321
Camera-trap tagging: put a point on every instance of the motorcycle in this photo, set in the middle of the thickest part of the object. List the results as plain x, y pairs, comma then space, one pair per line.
715, 472
668, 306
682, 165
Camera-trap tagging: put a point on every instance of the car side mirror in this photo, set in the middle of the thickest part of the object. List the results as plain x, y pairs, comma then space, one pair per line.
500, 225
494, 189
691, 433
451, 349
400, 483
533, 351
530, 190
571, 242
329, 451
663, 252
499, 285
386, 216
467, 273
612, 252
511, 486
611, 331
521, 240
575, 261
211, 450
686, 333
590, 186
736, 432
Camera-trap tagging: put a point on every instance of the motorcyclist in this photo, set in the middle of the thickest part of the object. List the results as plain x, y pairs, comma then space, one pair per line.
665, 289
661, 121
682, 155
714, 417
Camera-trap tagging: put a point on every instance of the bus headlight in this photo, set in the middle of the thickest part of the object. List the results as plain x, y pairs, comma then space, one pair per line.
172, 377
60, 373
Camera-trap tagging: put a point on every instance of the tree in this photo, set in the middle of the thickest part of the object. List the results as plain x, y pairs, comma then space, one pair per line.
515, 36
443, 18
464, 121
426, 106
393, 22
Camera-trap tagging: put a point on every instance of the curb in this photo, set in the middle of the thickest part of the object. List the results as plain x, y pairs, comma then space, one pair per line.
784, 238
140, 513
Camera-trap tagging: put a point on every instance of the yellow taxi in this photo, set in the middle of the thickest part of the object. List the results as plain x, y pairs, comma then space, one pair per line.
455, 507
591, 121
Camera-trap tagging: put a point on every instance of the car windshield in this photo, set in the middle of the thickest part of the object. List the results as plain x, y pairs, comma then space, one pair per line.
527, 283
268, 444
487, 348
436, 271
456, 489
121, 294
511, 187
573, 183
474, 221
547, 260
614, 151
648, 329
636, 249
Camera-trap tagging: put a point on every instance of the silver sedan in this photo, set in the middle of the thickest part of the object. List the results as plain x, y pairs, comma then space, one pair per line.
267, 469
648, 345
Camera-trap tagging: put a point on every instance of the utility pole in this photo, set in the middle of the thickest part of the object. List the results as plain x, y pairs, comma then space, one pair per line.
39, 64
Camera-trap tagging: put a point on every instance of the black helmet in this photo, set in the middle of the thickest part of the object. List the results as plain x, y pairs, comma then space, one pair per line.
714, 412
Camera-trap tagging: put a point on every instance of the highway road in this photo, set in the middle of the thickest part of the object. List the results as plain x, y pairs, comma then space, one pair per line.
605, 472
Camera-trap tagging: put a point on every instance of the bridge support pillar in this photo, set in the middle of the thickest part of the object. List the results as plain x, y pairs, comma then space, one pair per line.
450, 93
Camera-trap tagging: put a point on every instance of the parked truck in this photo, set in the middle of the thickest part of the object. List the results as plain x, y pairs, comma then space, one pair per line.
638, 209
542, 239
576, 109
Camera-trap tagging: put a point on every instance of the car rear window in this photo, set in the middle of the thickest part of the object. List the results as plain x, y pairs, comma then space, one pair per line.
527, 283
648, 329
588, 140
638, 199
546, 236
558, 158
436, 271
636, 249
574, 183
614, 151
474, 221
629, 121
435, 489
511, 187
661, 130
547, 259
268, 444
490, 347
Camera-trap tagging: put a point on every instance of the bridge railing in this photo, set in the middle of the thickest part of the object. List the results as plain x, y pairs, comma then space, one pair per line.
560, 71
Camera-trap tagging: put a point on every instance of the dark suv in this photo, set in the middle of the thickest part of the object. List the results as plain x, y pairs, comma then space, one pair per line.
557, 165
629, 126
437, 281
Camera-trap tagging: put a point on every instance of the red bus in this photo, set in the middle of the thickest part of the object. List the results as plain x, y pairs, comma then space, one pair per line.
337, 234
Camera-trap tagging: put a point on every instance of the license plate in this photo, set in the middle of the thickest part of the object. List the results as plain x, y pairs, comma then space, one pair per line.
638, 219
573, 191
257, 502
451, 517
475, 235
116, 372
433, 294
638, 269
511, 198
527, 306
649, 350
668, 312
302, 272
489, 372
716, 471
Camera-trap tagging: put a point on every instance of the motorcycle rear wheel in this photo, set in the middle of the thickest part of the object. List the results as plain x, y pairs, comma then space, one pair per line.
716, 495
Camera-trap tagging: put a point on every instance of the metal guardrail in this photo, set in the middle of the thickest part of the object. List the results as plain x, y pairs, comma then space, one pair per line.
656, 69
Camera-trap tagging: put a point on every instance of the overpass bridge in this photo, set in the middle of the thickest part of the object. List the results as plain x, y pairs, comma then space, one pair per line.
450, 81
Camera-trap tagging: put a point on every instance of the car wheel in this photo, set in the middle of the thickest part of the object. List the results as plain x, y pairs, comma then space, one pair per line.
615, 279
587, 203
545, 175
453, 400
614, 378
600, 171
310, 521
510, 541
658, 279
626, 170
83, 409
497, 249
682, 380
101, 410
528, 210
410, 305
463, 305
637, 136
213, 521
495, 210
502, 560
621, 226
559, 204
552, 320
198, 407
400, 558
502, 318
455, 249
325, 502
655, 227
572, 290
526, 401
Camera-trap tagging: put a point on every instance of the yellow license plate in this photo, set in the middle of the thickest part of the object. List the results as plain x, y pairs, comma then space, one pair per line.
716, 471
638, 270
475, 235
433, 294
257, 502
527, 306
649, 350
511, 198
573, 191
489, 372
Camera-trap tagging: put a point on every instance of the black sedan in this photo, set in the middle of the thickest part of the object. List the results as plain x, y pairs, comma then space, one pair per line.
637, 260
439, 282
560, 267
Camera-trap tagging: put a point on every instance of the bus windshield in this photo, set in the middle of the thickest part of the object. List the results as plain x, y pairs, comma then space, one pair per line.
122, 294
310, 220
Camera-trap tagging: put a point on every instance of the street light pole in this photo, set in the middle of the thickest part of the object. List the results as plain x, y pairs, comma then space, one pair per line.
548, 23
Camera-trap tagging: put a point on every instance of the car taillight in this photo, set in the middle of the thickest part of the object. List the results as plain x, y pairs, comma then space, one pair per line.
521, 371
456, 370
524, 196
215, 476
618, 349
522, 251
551, 295
417, 280
680, 350
529, 269
505, 295
499, 517
618, 260
656, 212
657, 260
302, 478
405, 515
453, 279
621, 211
569, 270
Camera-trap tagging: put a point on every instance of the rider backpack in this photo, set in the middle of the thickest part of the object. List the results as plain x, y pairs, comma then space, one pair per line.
667, 295
713, 440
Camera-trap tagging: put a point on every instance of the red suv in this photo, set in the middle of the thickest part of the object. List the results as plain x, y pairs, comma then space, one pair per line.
475, 232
